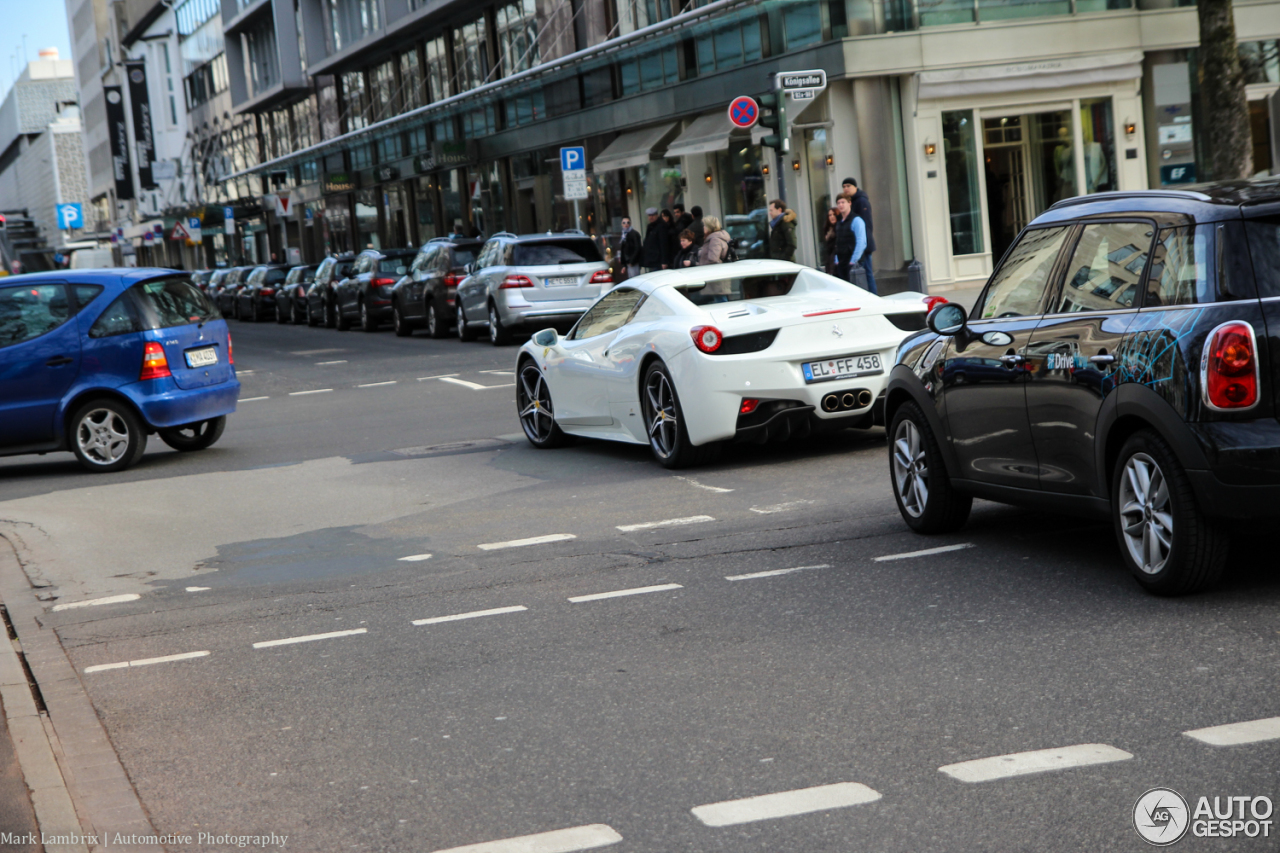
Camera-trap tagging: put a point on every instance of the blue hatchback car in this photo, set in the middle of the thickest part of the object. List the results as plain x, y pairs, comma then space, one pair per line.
94, 361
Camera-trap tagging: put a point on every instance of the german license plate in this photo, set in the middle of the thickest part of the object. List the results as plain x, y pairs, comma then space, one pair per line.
849, 367
561, 281
202, 357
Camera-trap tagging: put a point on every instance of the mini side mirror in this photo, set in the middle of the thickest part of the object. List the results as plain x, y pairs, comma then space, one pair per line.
547, 338
948, 319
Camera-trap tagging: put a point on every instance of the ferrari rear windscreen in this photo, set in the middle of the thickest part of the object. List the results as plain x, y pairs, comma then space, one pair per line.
738, 289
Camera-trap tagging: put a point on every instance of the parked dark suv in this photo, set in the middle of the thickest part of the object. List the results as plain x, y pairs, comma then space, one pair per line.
321, 305
291, 297
365, 295
427, 295
256, 300
1140, 333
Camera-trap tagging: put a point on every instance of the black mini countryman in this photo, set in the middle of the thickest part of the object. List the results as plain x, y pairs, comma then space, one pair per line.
1121, 362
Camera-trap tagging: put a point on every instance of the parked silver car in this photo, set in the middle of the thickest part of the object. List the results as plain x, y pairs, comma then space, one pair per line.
530, 282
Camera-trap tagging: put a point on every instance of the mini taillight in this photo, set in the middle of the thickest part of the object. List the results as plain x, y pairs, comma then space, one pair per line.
154, 363
231, 359
931, 302
602, 277
748, 406
707, 338
515, 281
1229, 367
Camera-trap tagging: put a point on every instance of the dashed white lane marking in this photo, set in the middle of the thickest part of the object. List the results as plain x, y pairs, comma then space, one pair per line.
125, 664
438, 376
786, 803
94, 602
316, 351
1037, 761
303, 393
415, 558
782, 507
252, 399
773, 573
500, 372
376, 384
618, 593
698, 485
309, 638
532, 540
324, 363
474, 614
670, 522
1234, 734
199, 588
474, 386
927, 552
557, 841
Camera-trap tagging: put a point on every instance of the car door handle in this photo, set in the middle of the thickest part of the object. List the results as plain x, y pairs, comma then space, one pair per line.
1012, 360
1102, 358
59, 361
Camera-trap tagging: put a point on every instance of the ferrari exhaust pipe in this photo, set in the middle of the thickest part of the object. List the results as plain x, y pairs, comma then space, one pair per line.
847, 400
830, 403
864, 398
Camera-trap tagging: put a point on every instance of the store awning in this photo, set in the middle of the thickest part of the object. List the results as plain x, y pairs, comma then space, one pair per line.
1020, 76
636, 148
711, 132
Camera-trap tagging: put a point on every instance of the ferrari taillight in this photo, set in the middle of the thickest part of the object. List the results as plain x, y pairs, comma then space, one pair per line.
1229, 367
931, 302
154, 363
707, 338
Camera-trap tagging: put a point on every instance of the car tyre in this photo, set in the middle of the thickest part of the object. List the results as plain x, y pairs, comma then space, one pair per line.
402, 327
928, 502
535, 409
1169, 544
295, 316
107, 436
196, 436
435, 326
340, 321
255, 311
668, 437
281, 316
499, 335
464, 333
330, 315
367, 322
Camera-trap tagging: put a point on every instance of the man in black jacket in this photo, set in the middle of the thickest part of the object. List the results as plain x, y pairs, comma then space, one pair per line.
656, 242
629, 248
862, 209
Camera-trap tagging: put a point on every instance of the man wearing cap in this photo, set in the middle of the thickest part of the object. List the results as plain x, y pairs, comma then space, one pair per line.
862, 209
656, 239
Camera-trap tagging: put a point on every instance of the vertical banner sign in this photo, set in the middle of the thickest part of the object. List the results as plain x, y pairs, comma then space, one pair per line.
119, 135
136, 71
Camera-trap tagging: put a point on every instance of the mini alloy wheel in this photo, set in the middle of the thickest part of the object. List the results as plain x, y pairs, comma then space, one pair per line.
537, 415
921, 486
107, 436
910, 469
1146, 513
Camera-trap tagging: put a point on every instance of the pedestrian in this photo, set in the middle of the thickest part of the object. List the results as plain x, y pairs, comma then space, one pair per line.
683, 220
673, 237
851, 238
696, 226
715, 249
629, 248
656, 243
688, 254
862, 210
782, 231
829, 241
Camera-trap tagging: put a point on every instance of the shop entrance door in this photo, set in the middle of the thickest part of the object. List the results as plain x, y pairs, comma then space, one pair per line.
1030, 165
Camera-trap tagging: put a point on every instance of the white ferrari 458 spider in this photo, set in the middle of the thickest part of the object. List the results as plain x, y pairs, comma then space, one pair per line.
683, 360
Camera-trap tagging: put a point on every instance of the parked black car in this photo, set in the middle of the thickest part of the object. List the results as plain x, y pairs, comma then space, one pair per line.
1142, 332
321, 307
365, 294
200, 278
428, 294
257, 298
291, 297
229, 291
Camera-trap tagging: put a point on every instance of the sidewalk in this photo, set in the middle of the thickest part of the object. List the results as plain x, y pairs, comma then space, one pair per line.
16, 815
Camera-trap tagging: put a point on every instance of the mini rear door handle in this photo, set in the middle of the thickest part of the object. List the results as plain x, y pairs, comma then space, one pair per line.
59, 361
1011, 360
1102, 359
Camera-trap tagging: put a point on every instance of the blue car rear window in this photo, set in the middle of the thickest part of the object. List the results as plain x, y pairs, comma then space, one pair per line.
174, 302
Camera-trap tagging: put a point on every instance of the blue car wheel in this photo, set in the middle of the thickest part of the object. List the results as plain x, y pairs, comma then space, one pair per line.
107, 436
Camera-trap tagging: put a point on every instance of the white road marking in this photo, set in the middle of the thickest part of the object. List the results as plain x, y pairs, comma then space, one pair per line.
557, 841
786, 803
698, 485
199, 588
376, 384
1234, 734
440, 376
782, 507
1037, 761
618, 593
475, 614
774, 573
315, 351
317, 391
464, 383
309, 638
500, 372
324, 363
415, 558
124, 664
252, 399
532, 540
94, 602
927, 552
670, 522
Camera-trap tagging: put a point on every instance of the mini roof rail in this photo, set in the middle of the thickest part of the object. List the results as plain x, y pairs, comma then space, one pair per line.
503, 234
1190, 195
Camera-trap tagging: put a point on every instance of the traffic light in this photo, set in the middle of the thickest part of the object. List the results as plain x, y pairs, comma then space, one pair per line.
773, 115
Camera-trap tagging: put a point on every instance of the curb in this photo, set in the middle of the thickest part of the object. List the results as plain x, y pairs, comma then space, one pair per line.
79, 789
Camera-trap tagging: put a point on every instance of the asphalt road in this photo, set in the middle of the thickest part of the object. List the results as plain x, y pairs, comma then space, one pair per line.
765, 645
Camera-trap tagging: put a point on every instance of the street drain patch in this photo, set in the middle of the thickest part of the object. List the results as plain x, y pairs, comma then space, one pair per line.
456, 448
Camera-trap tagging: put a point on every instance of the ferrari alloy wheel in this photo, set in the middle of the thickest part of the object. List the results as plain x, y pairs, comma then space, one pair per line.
927, 500
664, 420
537, 415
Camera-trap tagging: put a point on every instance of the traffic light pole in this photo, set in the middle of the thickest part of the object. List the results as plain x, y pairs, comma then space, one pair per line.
776, 120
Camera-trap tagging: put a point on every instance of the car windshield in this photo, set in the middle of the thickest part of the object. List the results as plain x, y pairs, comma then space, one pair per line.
576, 250
276, 276
463, 255
737, 289
175, 302
397, 264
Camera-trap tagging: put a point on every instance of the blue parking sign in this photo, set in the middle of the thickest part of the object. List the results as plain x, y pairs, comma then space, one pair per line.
573, 159
70, 216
